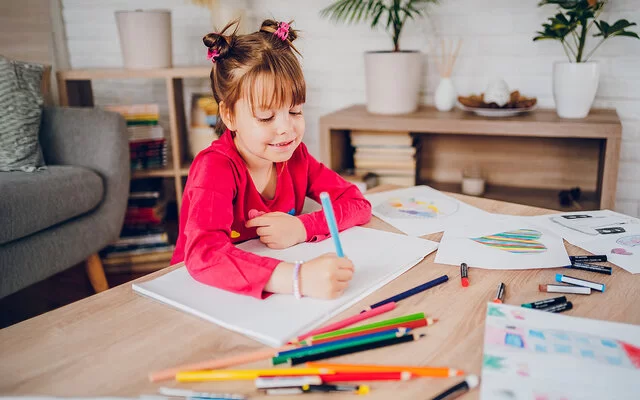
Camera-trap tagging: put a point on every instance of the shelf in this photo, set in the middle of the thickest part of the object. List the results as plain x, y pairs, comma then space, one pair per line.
543, 198
119, 73
166, 172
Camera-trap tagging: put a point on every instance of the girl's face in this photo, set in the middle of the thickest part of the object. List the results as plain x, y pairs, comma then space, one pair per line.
267, 134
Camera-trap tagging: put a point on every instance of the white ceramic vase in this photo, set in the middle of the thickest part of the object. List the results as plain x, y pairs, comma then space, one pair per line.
392, 81
445, 97
574, 88
135, 28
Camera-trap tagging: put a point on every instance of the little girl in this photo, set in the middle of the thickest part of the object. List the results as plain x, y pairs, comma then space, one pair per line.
253, 180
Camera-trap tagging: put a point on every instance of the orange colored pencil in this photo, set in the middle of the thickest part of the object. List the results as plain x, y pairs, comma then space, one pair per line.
219, 363
430, 372
411, 324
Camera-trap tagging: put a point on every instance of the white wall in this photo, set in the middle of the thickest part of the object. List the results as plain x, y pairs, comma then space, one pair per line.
497, 42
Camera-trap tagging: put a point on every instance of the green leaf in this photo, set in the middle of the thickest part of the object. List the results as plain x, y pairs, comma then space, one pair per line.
629, 34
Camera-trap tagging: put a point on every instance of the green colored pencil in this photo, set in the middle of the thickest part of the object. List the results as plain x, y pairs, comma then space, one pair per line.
386, 322
282, 358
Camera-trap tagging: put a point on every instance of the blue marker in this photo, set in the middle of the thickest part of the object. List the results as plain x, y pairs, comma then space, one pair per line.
331, 221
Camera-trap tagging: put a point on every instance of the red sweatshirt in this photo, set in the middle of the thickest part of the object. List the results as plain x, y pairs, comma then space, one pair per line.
218, 197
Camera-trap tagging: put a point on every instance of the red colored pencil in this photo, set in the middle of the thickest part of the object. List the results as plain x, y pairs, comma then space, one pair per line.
411, 324
366, 376
347, 321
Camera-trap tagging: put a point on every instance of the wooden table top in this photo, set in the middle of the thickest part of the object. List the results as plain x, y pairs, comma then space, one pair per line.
105, 345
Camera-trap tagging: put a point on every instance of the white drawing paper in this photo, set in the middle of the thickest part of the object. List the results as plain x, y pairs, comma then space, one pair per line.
585, 226
537, 355
622, 250
379, 257
502, 242
421, 210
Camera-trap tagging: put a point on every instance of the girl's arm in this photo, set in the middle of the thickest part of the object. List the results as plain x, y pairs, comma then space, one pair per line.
350, 206
210, 256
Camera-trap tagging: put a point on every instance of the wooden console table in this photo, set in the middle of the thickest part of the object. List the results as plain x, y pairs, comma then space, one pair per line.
527, 159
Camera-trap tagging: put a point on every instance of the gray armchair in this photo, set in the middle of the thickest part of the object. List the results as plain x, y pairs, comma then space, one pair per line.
53, 219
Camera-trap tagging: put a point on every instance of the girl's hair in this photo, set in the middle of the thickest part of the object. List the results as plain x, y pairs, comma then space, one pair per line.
259, 66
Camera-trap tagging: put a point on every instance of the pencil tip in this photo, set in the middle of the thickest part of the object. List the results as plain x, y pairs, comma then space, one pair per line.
459, 373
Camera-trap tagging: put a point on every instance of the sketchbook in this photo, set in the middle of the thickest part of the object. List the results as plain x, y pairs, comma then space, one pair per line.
531, 354
379, 257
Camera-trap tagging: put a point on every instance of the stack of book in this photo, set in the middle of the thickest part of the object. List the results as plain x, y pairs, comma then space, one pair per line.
143, 245
391, 156
147, 144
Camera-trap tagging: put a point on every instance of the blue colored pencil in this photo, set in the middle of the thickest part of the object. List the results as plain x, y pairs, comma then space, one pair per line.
410, 292
331, 221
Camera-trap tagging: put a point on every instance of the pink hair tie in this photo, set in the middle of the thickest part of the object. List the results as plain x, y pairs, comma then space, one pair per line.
283, 31
212, 54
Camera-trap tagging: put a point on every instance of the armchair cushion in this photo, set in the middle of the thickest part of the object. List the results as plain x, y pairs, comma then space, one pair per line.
20, 111
32, 202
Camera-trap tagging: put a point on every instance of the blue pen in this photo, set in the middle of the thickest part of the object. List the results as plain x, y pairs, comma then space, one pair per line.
331, 221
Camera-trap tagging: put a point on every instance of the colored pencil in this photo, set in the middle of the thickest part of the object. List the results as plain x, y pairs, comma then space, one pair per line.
218, 363
356, 349
430, 372
366, 376
410, 292
347, 321
281, 358
287, 381
409, 325
471, 382
384, 323
246, 374
327, 207
173, 392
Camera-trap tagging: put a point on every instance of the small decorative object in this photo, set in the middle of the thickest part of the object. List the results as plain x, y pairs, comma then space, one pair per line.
473, 182
135, 28
204, 111
497, 101
445, 97
392, 77
575, 82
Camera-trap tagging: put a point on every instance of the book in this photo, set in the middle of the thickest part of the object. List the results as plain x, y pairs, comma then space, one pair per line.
396, 180
136, 268
362, 138
383, 151
379, 258
140, 258
384, 164
387, 171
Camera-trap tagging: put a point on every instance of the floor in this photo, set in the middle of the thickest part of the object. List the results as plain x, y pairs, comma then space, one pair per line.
57, 291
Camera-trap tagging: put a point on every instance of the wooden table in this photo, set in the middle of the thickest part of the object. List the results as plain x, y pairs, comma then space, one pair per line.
106, 344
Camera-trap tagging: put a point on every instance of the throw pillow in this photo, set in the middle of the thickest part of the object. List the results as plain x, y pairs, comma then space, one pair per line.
20, 112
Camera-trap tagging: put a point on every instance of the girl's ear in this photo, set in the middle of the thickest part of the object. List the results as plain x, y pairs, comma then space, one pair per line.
227, 116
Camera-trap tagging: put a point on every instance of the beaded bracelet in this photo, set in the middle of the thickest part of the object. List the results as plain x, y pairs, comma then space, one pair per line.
296, 280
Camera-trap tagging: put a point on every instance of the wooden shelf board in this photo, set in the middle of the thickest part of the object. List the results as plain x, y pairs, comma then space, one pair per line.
120, 73
599, 124
544, 198
166, 172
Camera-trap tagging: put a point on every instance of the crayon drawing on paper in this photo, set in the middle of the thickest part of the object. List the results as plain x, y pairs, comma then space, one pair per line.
416, 207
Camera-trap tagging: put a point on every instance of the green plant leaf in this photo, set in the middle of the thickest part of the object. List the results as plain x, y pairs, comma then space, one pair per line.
617, 29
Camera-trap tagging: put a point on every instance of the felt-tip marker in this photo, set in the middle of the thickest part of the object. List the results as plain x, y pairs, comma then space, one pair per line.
542, 304
464, 274
580, 282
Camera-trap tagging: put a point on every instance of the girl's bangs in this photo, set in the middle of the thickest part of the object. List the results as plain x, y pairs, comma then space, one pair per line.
266, 89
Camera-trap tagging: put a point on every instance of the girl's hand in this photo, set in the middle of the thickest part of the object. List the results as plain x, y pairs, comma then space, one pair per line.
278, 230
326, 277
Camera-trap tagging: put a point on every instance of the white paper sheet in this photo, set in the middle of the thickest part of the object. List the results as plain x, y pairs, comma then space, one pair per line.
379, 257
532, 355
585, 226
622, 249
502, 242
421, 210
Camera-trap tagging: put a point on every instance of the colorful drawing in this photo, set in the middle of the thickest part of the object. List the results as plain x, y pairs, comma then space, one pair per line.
416, 207
493, 362
521, 241
621, 251
629, 241
494, 311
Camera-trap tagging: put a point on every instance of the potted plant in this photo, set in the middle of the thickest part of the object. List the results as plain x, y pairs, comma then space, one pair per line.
575, 82
392, 76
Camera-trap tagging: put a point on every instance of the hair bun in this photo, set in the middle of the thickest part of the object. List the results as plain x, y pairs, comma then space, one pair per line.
271, 26
221, 41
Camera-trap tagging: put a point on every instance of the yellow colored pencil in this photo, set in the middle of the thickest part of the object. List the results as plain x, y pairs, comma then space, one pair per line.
246, 374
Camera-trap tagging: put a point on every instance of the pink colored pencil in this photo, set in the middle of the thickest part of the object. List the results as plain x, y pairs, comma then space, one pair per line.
218, 363
348, 321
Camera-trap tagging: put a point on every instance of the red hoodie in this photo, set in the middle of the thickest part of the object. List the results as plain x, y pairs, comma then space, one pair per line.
215, 207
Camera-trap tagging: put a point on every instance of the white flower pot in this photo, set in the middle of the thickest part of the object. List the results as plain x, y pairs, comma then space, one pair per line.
445, 97
145, 38
392, 81
574, 88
